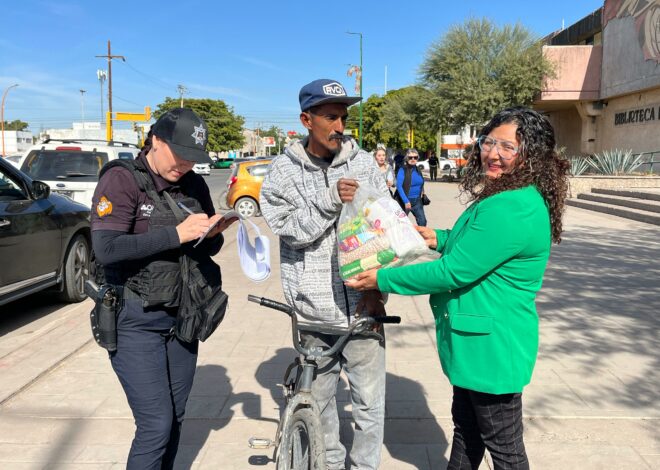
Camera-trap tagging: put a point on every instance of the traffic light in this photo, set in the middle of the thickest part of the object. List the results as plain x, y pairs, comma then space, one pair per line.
356, 133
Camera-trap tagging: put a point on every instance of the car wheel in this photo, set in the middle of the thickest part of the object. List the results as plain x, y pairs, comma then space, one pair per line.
247, 207
75, 270
446, 167
420, 167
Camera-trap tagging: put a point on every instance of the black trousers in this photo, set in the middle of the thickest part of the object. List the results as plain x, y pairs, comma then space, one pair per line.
433, 172
156, 371
484, 420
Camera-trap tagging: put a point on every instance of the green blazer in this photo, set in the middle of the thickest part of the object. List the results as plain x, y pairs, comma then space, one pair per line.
483, 290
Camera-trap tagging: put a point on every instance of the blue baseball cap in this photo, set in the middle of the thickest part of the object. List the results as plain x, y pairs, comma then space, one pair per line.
324, 91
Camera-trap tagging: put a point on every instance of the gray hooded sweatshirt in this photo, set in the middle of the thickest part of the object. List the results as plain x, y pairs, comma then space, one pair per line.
301, 204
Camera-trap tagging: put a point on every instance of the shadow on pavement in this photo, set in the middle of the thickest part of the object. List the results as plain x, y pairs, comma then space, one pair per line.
410, 426
600, 301
412, 434
209, 409
24, 311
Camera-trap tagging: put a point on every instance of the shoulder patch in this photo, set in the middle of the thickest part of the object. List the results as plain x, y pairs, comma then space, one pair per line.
104, 207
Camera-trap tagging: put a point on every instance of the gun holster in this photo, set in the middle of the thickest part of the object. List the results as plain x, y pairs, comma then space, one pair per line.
104, 315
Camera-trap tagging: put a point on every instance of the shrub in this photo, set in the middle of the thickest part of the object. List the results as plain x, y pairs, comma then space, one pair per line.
614, 162
579, 164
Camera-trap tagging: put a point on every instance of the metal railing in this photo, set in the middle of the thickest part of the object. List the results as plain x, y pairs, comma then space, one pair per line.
648, 158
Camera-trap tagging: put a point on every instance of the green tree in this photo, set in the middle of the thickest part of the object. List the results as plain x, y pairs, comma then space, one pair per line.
372, 122
225, 127
16, 125
380, 128
477, 68
405, 114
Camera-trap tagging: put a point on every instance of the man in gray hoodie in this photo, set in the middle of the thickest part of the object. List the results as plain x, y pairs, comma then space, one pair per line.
301, 199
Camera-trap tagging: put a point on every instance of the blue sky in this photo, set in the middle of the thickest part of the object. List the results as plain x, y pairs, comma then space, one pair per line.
254, 55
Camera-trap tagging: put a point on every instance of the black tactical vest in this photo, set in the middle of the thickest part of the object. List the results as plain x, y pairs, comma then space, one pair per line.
186, 278
157, 278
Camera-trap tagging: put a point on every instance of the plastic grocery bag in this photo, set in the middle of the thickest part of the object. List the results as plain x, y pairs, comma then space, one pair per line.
374, 232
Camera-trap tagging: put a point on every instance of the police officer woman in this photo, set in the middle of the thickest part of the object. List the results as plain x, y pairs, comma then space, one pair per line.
138, 240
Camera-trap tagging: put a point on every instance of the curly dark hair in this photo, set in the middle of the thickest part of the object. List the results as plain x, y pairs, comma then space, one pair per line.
539, 164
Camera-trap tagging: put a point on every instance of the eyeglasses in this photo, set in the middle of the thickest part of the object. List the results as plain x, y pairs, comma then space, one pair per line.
506, 150
413, 158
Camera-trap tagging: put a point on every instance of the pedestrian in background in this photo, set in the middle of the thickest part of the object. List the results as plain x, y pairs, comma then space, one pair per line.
433, 167
483, 288
385, 168
301, 200
138, 241
410, 187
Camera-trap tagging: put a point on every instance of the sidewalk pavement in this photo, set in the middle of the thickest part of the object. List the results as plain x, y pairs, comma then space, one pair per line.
593, 402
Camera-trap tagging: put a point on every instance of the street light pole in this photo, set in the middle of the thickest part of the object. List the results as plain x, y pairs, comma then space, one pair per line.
2, 116
82, 109
361, 80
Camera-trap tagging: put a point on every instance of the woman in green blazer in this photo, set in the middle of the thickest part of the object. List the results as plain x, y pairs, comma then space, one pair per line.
484, 286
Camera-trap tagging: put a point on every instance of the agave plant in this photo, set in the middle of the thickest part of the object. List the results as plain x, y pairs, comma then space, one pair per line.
579, 165
615, 162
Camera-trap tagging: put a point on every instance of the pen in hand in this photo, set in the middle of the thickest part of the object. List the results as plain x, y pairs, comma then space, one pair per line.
183, 206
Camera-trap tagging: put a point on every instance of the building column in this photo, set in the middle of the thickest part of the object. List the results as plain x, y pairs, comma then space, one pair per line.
589, 112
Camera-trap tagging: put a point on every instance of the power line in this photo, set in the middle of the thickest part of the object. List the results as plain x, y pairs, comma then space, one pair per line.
127, 101
153, 79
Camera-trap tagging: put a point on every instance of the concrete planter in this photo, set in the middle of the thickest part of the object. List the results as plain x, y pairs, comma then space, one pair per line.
584, 184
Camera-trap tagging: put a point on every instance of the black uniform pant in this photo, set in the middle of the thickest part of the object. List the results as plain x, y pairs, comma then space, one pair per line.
484, 420
433, 172
156, 371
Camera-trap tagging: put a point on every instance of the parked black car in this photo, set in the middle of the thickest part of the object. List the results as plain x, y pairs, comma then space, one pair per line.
44, 239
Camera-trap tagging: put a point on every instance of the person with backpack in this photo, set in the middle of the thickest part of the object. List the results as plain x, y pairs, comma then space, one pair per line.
141, 238
410, 187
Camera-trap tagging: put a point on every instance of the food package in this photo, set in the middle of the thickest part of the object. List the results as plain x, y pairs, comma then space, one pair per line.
374, 232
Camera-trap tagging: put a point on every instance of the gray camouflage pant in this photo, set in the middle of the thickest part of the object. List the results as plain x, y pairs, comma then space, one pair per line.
363, 361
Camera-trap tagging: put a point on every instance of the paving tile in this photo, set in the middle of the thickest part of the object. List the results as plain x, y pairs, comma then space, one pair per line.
593, 398
590, 457
43, 454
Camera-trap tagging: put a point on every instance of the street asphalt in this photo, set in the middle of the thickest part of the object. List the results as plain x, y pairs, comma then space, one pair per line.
593, 404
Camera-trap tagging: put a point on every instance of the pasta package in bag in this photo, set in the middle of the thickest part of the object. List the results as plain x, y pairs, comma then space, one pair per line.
374, 232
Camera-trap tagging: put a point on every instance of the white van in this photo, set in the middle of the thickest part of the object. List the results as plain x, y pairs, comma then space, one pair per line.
71, 166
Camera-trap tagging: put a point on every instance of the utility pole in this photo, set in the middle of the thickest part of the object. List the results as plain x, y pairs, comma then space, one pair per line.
109, 56
102, 75
2, 116
256, 140
361, 80
82, 109
181, 89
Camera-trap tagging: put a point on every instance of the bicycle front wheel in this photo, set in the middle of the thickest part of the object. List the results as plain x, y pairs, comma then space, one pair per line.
302, 447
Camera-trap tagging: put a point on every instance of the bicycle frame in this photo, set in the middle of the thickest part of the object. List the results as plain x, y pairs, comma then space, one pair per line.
299, 375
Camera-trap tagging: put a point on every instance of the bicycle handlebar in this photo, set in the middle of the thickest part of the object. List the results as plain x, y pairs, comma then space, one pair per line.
271, 304
360, 325
387, 319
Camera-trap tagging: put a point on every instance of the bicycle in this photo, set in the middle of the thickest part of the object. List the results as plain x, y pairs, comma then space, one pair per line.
298, 440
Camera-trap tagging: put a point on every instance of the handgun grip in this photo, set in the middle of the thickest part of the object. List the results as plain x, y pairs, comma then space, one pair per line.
91, 289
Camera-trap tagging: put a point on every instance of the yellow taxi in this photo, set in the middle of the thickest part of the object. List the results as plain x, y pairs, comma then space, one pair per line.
244, 185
